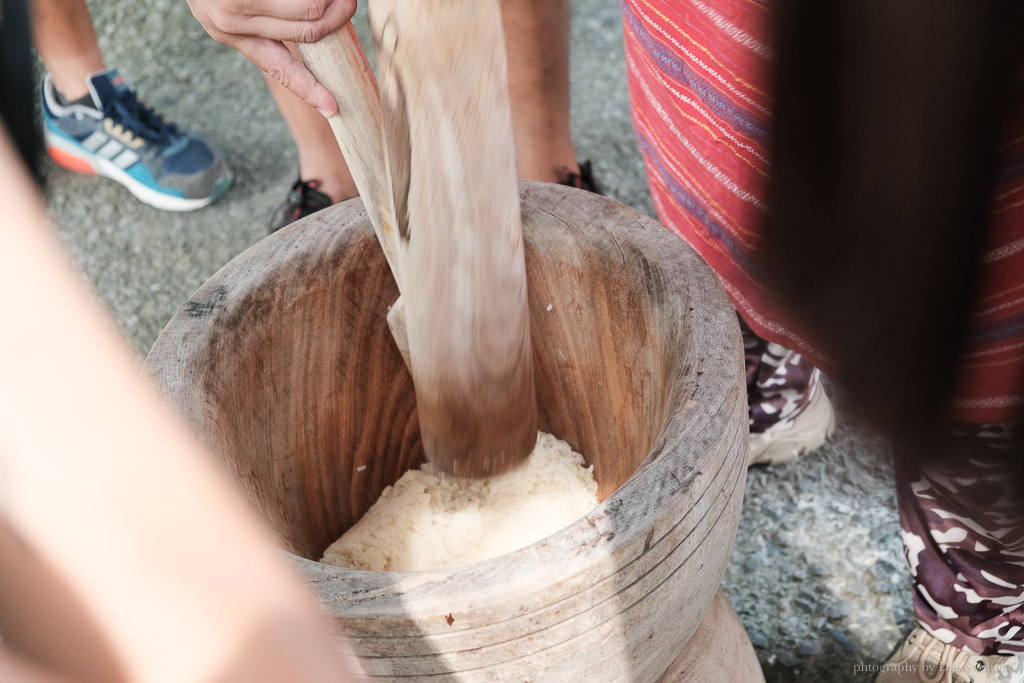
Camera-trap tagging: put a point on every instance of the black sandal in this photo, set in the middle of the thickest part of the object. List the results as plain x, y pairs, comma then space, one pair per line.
304, 199
584, 180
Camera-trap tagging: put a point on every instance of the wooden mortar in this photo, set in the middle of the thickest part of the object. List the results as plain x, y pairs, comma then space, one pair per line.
284, 364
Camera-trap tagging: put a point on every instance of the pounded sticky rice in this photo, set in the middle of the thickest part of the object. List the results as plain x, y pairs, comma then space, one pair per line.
426, 520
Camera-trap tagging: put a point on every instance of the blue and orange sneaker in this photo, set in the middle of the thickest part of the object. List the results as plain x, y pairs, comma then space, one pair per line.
111, 133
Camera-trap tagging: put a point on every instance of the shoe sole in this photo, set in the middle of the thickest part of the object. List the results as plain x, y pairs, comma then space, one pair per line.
68, 155
807, 432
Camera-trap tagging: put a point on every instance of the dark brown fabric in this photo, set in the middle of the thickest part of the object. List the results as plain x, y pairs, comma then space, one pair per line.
882, 162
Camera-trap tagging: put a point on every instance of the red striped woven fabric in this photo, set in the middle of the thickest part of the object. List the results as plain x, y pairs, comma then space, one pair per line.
698, 73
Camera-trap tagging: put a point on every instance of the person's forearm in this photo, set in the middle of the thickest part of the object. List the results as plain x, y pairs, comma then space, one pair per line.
115, 505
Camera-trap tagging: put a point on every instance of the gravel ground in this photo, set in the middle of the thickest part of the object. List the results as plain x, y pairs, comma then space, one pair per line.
817, 573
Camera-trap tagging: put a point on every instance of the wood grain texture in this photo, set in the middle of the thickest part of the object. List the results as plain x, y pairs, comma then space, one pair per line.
339, 63
284, 364
452, 173
718, 652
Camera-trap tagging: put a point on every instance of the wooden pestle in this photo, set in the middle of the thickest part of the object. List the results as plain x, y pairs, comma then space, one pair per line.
339, 63
444, 201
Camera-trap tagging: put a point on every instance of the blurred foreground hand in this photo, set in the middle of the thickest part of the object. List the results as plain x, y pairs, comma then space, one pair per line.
124, 554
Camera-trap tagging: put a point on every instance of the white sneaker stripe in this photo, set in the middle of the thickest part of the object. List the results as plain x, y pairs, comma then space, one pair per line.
94, 141
126, 159
111, 149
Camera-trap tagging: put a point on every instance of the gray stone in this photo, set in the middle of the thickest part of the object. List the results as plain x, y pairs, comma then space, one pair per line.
839, 610
881, 570
757, 639
755, 561
840, 637
793, 626
808, 648
804, 605
787, 658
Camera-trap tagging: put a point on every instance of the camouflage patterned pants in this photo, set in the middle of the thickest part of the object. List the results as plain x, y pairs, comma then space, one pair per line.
780, 382
963, 535
962, 526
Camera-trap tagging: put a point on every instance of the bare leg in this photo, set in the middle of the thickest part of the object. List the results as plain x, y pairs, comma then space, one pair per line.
319, 156
537, 40
66, 42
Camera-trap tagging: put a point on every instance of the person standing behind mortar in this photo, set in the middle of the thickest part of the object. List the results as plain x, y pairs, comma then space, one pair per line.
94, 122
767, 145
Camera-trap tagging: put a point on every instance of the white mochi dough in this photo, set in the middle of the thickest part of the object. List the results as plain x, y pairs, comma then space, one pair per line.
426, 520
